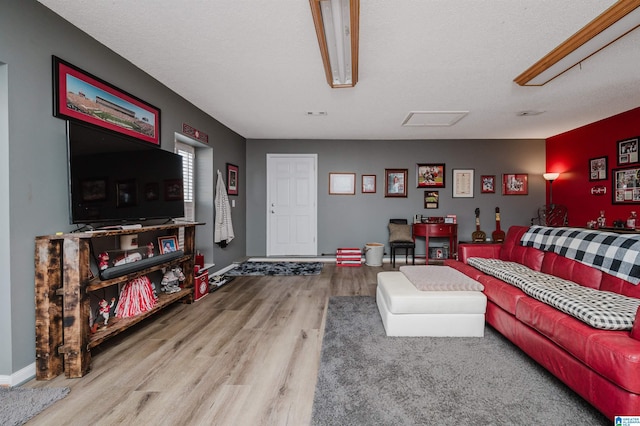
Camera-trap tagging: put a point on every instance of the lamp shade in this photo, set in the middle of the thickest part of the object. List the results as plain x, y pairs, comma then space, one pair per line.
550, 176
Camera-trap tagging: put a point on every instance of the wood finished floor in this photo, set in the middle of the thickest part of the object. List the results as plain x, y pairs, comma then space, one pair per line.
247, 354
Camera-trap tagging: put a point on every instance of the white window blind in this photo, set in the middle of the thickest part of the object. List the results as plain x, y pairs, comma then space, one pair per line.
188, 153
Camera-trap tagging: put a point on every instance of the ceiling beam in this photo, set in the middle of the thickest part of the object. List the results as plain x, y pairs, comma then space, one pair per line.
605, 20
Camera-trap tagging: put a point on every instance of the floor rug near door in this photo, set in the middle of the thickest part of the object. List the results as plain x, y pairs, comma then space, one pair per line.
367, 378
276, 268
18, 405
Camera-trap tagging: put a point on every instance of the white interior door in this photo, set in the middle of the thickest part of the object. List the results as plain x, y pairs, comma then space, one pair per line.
291, 205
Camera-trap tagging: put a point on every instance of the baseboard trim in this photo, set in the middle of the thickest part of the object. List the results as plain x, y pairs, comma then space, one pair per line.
19, 377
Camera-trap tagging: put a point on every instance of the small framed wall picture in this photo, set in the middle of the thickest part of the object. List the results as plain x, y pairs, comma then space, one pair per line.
232, 179
463, 183
598, 168
431, 199
368, 184
342, 183
395, 182
515, 184
487, 184
628, 152
430, 175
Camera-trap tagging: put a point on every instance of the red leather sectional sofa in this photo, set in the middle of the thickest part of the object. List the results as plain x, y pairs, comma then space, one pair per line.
600, 365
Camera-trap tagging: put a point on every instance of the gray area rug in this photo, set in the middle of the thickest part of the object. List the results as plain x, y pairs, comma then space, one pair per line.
18, 405
276, 268
367, 378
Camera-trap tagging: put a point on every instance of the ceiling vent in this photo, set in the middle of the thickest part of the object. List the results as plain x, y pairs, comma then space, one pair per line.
433, 118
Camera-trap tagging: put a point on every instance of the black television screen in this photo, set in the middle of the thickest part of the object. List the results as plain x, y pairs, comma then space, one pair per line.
115, 179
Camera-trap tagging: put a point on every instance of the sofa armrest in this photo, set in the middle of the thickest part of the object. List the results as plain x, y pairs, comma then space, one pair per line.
635, 331
485, 250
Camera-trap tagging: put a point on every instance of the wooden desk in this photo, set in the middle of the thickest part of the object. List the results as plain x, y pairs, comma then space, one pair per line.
438, 230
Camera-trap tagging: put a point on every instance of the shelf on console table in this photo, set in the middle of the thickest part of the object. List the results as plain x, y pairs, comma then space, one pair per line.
63, 281
118, 325
96, 283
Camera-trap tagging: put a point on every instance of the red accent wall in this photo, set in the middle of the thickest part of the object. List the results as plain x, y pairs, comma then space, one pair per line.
569, 153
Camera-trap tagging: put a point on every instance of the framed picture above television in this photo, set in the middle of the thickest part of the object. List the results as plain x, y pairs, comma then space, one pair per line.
80, 96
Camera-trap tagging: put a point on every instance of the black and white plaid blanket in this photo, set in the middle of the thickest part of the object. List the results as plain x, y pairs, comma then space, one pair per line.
600, 309
615, 254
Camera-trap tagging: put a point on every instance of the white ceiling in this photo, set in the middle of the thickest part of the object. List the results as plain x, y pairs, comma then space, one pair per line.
255, 65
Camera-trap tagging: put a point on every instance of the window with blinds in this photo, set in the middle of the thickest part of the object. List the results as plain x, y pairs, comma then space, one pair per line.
188, 153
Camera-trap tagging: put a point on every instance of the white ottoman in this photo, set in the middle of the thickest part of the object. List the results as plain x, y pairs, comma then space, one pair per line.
408, 311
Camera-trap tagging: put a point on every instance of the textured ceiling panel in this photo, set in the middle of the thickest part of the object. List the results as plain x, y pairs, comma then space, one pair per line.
256, 67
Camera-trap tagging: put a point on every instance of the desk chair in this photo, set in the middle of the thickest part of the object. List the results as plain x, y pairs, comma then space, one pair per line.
401, 237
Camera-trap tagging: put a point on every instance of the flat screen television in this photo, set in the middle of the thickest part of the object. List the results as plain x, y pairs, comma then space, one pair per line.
114, 179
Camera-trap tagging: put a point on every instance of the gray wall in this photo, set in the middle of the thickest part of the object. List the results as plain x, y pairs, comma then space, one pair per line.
33, 145
352, 221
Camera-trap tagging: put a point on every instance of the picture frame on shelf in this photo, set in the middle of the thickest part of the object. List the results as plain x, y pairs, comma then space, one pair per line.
626, 185
628, 151
487, 184
463, 183
598, 168
81, 96
342, 183
168, 244
431, 199
368, 184
395, 182
430, 175
515, 184
232, 179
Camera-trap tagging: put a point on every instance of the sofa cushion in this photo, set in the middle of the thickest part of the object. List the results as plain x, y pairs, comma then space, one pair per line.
563, 329
469, 271
502, 294
571, 270
617, 357
600, 309
610, 353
